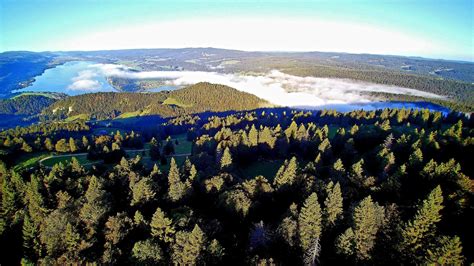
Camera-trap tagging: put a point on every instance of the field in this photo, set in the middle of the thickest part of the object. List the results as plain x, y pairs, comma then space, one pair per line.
82, 158
266, 168
184, 146
182, 150
29, 160
77, 117
130, 114
173, 101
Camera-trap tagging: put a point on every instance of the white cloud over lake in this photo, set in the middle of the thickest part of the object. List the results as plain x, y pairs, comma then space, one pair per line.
85, 81
274, 86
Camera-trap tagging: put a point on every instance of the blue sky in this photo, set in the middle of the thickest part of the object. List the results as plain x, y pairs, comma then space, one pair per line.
430, 28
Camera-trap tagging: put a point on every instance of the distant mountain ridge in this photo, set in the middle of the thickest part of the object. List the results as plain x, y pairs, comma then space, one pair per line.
443, 77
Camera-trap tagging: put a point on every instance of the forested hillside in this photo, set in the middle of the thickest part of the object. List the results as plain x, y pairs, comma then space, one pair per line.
26, 104
193, 99
457, 91
273, 186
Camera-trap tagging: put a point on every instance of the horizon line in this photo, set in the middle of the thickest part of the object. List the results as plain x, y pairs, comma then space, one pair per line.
251, 51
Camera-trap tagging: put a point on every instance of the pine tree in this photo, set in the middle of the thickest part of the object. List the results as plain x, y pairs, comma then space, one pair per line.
368, 218
9, 202
290, 132
416, 157
448, 251
333, 204
48, 144
357, 176
354, 129
422, 226
309, 222
72, 145
147, 252
31, 246
76, 166
226, 160
385, 126
301, 133
177, 189
192, 173
324, 146
143, 191
62, 146
161, 226
188, 247
26, 148
253, 136
96, 206
35, 201
338, 170
85, 142
286, 175
72, 240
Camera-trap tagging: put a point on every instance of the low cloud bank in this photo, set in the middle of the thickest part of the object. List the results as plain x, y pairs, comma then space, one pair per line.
85, 81
275, 86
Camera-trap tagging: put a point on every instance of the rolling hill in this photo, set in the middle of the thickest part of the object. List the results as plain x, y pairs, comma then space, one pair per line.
197, 98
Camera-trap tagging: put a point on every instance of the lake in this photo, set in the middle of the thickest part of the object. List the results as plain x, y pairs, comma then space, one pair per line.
80, 77
72, 78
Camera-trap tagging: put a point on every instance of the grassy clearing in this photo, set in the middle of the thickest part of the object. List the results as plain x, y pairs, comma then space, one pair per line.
173, 101
66, 159
184, 146
266, 168
129, 114
29, 160
77, 117
49, 95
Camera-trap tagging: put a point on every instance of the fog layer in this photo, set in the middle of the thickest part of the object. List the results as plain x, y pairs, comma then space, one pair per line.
276, 87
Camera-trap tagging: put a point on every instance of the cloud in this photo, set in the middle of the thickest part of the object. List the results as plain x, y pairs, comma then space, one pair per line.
275, 86
85, 85
85, 81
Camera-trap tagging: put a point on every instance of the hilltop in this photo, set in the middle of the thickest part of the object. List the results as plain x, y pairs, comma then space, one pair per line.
197, 98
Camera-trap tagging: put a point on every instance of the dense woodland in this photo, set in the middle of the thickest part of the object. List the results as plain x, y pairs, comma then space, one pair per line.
383, 187
25, 104
200, 97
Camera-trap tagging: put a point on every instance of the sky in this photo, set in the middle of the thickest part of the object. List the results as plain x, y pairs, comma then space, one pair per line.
429, 28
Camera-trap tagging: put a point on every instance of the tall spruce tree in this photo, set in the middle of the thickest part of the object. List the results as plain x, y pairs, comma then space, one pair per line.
359, 240
188, 246
309, 222
333, 204
176, 188
96, 206
161, 226
418, 231
226, 160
